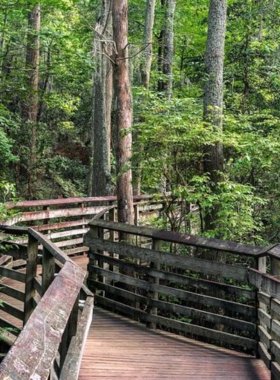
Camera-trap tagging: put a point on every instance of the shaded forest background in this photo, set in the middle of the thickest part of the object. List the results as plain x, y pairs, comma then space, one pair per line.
53, 155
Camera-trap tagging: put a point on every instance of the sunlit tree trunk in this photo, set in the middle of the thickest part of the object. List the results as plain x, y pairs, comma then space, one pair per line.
148, 41
102, 98
123, 113
213, 92
32, 102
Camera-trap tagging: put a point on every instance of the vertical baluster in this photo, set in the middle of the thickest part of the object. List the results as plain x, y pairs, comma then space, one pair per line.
153, 294
48, 269
31, 270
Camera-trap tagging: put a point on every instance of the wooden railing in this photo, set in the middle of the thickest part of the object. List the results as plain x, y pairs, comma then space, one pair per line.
234, 305
64, 221
56, 314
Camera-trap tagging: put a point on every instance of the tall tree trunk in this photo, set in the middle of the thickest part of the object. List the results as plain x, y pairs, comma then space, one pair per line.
148, 41
213, 92
124, 112
169, 48
145, 78
32, 103
103, 87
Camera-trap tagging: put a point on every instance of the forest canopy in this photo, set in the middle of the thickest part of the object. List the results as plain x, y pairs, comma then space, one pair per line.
203, 126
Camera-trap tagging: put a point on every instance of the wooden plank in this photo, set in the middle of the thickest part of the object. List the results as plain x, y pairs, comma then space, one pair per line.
6, 324
266, 283
48, 269
71, 200
67, 243
173, 308
38, 285
194, 264
17, 251
264, 298
73, 359
31, 269
59, 235
31, 216
275, 308
181, 294
264, 336
275, 350
44, 329
176, 278
12, 310
51, 247
12, 292
175, 237
60, 225
14, 275
264, 318
180, 326
5, 259
275, 370
275, 329
264, 354
74, 251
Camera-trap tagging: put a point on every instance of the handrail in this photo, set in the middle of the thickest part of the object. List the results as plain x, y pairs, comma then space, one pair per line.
190, 240
55, 325
129, 279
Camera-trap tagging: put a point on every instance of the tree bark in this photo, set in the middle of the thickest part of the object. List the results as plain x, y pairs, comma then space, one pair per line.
103, 87
32, 103
123, 113
148, 41
213, 91
169, 48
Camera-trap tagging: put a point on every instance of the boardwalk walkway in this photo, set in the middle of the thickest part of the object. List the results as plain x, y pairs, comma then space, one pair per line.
118, 348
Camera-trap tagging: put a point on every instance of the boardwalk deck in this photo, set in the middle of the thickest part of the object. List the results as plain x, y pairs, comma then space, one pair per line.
118, 348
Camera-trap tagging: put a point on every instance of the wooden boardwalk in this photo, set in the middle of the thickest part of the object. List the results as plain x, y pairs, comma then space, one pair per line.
118, 348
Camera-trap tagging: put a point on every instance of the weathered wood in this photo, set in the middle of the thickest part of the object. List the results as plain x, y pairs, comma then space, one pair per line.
30, 216
265, 282
31, 269
176, 309
48, 269
6, 324
73, 359
236, 307
264, 299
12, 310
275, 308
74, 251
45, 326
264, 336
66, 243
14, 275
5, 259
67, 201
275, 330
38, 285
59, 235
264, 318
57, 253
275, 350
175, 237
264, 354
188, 328
151, 309
197, 265
206, 285
60, 225
275, 371
12, 292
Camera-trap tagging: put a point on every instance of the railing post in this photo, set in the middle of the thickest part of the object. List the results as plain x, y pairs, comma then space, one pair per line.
48, 269
31, 269
153, 280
